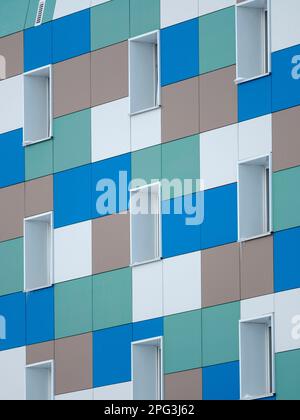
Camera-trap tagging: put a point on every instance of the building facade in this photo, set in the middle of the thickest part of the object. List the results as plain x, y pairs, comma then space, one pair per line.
149, 219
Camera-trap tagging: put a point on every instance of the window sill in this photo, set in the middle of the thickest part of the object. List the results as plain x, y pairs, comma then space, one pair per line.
240, 81
259, 397
30, 290
252, 238
139, 264
30, 143
144, 111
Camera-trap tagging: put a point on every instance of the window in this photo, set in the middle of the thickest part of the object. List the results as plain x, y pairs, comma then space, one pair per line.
144, 73
39, 382
147, 369
145, 214
257, 358
254, 198
37, 105
38, 239
253, 39
40, 12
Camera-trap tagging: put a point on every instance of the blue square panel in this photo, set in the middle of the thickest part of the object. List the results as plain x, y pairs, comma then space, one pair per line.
148, 329
221, 382
286, 78
180, 52
286, 260
40, 316
220, 217
255, 98
12, 158
112, 356
71, 36
38, 47
110, 186
72, 196
12, 321
179, 234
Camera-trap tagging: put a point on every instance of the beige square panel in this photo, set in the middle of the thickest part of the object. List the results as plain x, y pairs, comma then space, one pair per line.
74, 364
110, 74
180, 110
111, 243
72, 85
12, 212
218, 99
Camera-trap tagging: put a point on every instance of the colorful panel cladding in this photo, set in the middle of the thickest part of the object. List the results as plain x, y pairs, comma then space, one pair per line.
149, 214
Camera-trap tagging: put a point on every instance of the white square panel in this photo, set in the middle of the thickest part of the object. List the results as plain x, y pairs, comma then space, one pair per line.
11, 104
219, 156
285, 26
255, 138
73, 252
182, 283
147, 290
258, 307
12, 377
121, 392
110, 130
210, 6
287, 321
176, 11
145, 129
67, 7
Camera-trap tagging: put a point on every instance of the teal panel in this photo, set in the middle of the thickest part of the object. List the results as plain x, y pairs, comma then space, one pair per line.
39, 160
144, 16
109, 23
182, 342
12, 16
286, 200
72, 140
288, 376
220, 327
11, 263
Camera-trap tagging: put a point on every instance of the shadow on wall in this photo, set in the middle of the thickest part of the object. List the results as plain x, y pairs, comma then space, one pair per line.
2, 67
2, 328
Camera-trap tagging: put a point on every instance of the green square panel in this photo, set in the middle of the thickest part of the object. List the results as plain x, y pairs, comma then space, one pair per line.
72, 140
11, 263
144, 16
217, 40
220, 328
12, 16
288, 376
182, 342
146, 165
32, 11
286, 200
109, 23
112, 299
39, 160
181, 162
73, 307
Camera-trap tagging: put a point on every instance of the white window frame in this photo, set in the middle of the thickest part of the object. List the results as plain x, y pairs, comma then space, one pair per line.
267, 48
160, 372
158, 227
158, 63
269, 318
51, 253
27, 142
268, 205
46, 364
